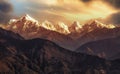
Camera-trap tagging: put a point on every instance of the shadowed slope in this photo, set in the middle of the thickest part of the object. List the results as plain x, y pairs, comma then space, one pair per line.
39, 56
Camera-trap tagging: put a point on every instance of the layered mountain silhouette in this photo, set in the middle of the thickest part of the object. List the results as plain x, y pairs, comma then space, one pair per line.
91, 38
106, 48
70, 37
39, 56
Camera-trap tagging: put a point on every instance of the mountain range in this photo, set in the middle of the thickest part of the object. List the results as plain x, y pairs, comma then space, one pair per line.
40, 56
70, 37
93, 37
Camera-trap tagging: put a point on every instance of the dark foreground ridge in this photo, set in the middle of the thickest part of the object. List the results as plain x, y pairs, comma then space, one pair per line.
106, 48
38, 56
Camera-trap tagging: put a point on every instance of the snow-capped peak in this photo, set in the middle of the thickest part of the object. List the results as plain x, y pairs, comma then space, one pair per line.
110, 26
77, 24
62, 25
97, 24
48, 25
62, 28
28, 18
25, 23
12, 21
75, 27
25, 19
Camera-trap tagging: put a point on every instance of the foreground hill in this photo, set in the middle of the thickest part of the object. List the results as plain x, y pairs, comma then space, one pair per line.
106, 48
39, 56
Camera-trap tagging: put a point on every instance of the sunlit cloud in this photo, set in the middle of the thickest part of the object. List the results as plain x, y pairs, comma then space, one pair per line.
64, 10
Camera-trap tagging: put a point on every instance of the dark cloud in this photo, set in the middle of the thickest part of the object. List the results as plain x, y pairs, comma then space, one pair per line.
5, 11
113, 19
114, 3
85, 0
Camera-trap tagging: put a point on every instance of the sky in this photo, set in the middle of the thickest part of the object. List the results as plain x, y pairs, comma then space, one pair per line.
67, 11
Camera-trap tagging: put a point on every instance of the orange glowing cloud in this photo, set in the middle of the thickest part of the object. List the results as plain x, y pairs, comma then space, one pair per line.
68, 10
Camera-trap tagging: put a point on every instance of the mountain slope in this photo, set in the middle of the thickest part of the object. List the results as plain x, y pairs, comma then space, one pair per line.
96, 33
106, 48
38, 56
9, 34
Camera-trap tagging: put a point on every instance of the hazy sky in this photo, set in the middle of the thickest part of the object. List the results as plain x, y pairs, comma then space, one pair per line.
64, 10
